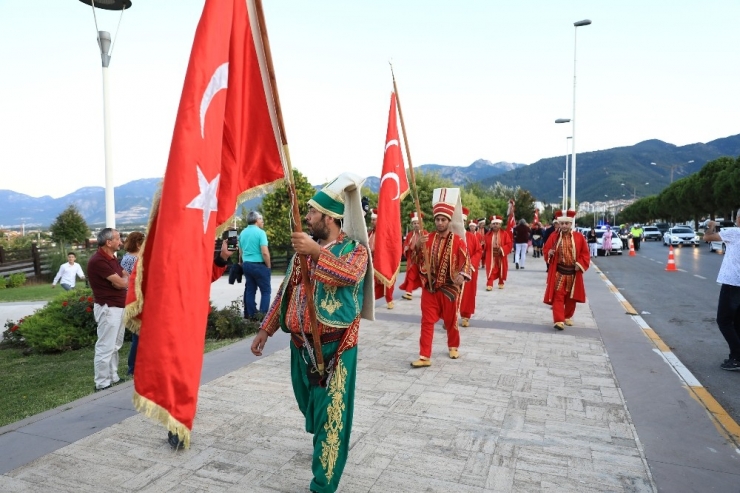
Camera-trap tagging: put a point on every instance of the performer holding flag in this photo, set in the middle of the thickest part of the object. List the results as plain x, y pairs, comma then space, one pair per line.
449, 268
225, 146
498, 247
387, 244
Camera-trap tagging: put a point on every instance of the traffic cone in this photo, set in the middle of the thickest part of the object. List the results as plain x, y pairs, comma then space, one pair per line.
671, 265
632, 248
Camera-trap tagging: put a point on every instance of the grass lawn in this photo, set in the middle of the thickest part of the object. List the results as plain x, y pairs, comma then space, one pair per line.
31, 292
39, 382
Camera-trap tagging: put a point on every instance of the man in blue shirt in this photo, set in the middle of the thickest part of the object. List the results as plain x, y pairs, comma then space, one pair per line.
256, 266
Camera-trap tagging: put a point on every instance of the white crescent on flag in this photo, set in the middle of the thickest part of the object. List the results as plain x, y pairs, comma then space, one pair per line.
219, 80
394, 177
393, 142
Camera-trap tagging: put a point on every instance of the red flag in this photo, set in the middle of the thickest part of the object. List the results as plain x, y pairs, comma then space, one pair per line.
511, 221
393, 188
536, 216
224, 145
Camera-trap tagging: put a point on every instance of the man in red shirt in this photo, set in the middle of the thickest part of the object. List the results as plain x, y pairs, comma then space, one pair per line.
498, 247
449, 267
109, 283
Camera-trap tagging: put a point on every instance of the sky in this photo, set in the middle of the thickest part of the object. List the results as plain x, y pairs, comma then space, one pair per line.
476, 79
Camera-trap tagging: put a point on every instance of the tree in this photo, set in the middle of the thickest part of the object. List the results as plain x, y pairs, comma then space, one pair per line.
69, 227
277, 209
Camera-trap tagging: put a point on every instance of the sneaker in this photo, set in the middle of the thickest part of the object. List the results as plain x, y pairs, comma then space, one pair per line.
730, 365
517, 266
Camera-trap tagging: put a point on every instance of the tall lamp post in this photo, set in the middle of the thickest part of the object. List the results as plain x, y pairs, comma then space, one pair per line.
565, 195
671, 167
634, 189
578, 24
106, 51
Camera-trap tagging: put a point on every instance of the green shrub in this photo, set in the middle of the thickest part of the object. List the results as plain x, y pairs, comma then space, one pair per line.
2, 282
13, 336
229, 322
16, 280
65, 323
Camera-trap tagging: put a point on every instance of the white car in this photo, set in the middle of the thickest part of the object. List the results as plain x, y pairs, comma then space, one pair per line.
718, 246
616, 243
680, 236
651, 233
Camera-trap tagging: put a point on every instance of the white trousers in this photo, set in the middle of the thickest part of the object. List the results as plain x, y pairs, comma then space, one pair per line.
520, 253
110, 340
593, 248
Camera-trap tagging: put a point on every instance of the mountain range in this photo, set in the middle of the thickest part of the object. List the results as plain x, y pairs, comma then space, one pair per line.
610, 174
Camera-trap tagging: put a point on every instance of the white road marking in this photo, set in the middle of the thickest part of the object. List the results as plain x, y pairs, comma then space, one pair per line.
680, 270
700, 277
679, 368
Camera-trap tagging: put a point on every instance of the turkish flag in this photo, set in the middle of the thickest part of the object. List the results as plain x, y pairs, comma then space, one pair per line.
225, 145
393, 188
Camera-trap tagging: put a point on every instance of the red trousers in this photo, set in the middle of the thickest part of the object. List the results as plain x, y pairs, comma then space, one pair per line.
433, 307
381, 290
563, 306
467, 304
413, 279
499, 270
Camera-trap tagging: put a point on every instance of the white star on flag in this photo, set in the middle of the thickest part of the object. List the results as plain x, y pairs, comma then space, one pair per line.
206, 199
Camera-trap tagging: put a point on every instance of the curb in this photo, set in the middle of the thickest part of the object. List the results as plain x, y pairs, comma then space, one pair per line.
724, 423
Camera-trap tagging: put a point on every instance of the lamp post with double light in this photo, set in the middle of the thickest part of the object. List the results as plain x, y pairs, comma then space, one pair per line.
672, 167
106, 51
578, 24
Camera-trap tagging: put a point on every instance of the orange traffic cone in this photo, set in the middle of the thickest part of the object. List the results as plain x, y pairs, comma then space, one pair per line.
671, 265
632, 248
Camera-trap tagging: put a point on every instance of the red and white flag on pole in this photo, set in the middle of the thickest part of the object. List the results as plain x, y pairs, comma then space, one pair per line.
225, 146
393, 188
511, 221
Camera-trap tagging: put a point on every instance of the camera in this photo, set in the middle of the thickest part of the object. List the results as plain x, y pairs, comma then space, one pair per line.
232, 239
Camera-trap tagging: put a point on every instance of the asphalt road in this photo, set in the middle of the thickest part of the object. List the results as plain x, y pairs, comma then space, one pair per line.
681, 307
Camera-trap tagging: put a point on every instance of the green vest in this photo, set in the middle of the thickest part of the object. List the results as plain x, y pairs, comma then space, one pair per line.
336, 306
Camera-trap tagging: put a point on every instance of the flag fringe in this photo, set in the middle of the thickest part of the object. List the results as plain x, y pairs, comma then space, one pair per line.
253, 192
132, 310
152, 410
387, 282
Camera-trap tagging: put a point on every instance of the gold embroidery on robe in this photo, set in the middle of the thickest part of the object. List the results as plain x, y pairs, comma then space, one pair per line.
334, 425
330, 303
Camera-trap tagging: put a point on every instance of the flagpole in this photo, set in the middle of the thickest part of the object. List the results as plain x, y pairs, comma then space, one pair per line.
411, 170
291, 188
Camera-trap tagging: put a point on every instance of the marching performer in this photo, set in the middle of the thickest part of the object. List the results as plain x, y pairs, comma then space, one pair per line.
498, 246
412, 280
467, 304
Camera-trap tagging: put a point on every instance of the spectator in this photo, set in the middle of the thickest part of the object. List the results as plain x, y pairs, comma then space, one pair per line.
68, 273
591, 240
109, 283
625, 235
728, 306
256, 266
132, 246
537, 241
521, 242
606, 241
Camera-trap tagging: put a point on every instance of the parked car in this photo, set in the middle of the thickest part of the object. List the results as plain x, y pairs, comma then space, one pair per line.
662, 227
651, 233
616, 243
679, 236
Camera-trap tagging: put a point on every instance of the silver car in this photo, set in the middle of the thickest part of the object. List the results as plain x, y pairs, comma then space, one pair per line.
680, 236
651, 233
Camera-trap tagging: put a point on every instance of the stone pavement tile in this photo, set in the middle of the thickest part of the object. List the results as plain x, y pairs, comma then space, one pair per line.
12, 485
410, 482
500, 477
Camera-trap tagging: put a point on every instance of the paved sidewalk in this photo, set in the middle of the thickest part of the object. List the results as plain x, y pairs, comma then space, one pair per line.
525, 408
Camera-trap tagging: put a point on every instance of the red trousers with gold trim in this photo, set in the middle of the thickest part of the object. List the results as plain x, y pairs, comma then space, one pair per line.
563, 306
499, 270
381, 291
413, 279
435, 306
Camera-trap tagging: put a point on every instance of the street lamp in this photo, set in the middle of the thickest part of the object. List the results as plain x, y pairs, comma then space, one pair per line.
106, 51
671, 167
634, 189
578, 24
565, 195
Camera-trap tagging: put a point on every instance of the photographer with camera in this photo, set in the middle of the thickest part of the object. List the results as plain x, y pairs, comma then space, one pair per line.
256, 265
